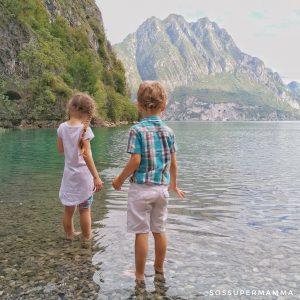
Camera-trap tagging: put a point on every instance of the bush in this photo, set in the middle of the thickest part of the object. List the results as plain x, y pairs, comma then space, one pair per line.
85, 72
120, 107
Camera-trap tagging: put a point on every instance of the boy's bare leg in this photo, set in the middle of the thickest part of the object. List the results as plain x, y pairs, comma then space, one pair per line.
85, 223
68, 221
160, 250
141, 251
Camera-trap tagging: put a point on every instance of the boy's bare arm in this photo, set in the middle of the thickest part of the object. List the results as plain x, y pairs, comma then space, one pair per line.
130, 167
88, 158
60, 146
173, 177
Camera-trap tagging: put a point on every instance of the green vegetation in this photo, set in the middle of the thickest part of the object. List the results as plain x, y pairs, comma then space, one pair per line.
237, 88
61, 59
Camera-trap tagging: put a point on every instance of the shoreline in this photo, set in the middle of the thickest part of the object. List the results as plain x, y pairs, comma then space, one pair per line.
111, 124
55, 124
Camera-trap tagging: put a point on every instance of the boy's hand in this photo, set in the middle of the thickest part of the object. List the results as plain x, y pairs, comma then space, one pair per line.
117, 183
178, 191
97, 184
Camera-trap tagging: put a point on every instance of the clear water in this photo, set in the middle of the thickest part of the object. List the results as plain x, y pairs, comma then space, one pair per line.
237, 230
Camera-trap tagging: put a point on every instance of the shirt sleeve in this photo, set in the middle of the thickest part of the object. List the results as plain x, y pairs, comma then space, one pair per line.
89, 135
173, 144
134, 142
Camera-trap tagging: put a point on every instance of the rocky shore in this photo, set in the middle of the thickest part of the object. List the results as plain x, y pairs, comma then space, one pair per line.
54, 124
193, 109
57, 270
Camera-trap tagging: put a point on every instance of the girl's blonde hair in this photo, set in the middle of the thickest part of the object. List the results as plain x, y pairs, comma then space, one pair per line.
83, 104
151, 95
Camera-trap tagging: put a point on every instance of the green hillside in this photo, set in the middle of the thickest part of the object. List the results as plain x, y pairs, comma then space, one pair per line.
63, 49
226, 88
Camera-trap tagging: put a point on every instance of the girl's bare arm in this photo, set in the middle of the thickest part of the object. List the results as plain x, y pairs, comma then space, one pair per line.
60, 146
88, 158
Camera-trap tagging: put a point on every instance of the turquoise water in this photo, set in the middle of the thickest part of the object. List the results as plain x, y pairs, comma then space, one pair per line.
237, 230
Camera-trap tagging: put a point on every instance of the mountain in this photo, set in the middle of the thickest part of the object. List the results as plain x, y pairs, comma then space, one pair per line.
49, 49
294, 88
207, 75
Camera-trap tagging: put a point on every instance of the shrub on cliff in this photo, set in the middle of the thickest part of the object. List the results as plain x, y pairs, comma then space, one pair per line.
67, 51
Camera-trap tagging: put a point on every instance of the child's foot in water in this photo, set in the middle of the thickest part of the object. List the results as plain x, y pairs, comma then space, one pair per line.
86, 242
159, 272
87, 239
72, 236
140, 288
160, 284
159, 277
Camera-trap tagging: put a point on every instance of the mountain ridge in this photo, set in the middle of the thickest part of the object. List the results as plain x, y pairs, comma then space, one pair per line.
185, 54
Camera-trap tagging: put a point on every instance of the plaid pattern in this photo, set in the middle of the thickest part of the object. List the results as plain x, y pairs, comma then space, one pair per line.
155, 141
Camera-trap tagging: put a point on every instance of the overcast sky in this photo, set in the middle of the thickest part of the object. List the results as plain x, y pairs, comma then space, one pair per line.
268, 29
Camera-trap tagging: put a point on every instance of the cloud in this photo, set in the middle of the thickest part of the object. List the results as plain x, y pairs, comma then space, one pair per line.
195, 15
259, 15
287, 24
265, 34
219, 20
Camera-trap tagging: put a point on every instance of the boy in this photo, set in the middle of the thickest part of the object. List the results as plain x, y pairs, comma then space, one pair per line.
153, 171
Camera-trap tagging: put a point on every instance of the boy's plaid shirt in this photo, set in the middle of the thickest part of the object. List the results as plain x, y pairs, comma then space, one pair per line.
155, 141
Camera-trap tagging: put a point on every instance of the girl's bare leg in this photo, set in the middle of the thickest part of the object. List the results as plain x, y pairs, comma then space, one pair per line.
141, 251
68, 221
160, 250
86, 223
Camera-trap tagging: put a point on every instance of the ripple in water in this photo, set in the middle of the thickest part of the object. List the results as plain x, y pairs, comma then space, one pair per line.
238, 229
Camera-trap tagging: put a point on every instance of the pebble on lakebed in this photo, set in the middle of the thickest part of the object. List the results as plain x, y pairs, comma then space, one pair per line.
63, 270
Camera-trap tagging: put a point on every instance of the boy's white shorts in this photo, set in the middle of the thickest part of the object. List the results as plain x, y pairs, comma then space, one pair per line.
147, 208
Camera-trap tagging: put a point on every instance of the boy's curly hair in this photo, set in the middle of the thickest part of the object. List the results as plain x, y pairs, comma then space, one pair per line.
151, 95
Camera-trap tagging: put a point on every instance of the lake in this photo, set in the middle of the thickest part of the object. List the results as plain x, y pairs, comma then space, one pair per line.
235, 234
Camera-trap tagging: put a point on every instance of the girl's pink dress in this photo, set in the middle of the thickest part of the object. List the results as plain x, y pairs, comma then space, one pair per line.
77, 183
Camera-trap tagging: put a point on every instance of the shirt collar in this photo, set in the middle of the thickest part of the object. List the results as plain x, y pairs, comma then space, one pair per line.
151, 118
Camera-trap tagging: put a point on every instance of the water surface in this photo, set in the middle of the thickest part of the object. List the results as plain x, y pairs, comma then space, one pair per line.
238, 228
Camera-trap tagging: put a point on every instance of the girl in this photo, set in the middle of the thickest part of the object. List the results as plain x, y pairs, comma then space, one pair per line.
80, 179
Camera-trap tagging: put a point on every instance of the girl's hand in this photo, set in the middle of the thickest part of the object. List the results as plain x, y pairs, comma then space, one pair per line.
117, 183
178, 191
97, 184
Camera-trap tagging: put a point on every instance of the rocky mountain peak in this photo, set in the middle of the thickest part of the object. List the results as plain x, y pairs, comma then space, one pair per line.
193, 54
175, 18
150, 25
294, 88
294, 84
206, 23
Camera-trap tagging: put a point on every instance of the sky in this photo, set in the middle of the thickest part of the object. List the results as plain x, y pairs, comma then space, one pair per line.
267, 29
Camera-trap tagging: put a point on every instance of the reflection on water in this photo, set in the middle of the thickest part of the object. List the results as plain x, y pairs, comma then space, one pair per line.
238, 229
